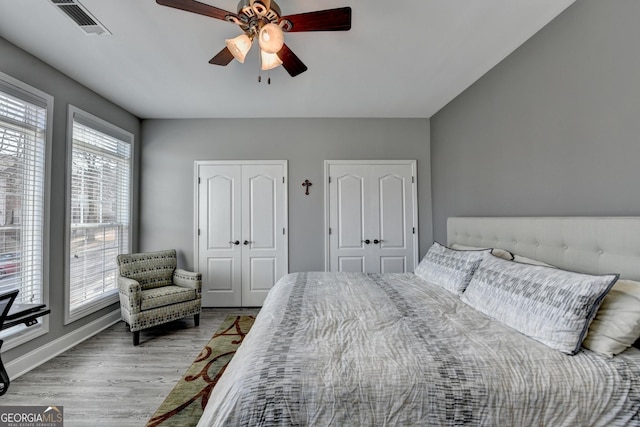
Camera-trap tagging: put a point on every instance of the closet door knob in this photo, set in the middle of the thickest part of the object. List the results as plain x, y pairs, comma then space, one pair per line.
237, 242
376, 241
246, 242
366, 241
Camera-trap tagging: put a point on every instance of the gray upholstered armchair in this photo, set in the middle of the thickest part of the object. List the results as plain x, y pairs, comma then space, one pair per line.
153, 291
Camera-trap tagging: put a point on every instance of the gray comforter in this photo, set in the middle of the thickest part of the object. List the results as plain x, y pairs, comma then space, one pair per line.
349, 349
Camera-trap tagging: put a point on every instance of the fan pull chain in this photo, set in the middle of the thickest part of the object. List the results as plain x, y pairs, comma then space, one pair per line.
260, 72
259, 66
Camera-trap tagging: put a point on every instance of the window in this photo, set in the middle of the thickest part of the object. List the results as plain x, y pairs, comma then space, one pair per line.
25, 115
99, 193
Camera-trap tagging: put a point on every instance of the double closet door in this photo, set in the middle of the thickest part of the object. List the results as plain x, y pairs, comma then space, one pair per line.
241, 240
371, 208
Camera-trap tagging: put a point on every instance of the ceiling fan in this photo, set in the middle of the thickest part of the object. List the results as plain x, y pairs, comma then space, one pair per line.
262, 19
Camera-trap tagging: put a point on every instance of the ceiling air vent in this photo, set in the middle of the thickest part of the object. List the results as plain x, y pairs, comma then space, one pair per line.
81, 16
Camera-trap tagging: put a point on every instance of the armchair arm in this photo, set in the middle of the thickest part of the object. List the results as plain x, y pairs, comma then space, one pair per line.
188, 279
130, 293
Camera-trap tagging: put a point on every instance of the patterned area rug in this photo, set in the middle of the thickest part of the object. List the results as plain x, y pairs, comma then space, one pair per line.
185, 404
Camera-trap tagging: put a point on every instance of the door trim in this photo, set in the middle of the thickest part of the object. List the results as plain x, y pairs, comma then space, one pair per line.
414, 195
196, 199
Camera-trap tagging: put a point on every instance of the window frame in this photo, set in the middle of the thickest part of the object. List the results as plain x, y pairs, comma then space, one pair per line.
98, 124
18, 335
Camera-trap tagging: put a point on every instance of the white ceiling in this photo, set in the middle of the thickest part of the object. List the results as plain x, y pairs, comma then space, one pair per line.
402, 58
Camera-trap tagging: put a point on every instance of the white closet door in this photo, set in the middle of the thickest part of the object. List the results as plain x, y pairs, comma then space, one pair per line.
349, 219
263, 226
372, 210
219, 246
392, 219
241, 247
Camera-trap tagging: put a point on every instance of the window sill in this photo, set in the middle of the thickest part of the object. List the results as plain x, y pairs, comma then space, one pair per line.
91, 307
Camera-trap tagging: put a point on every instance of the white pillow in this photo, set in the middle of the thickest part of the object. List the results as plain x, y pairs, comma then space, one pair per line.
449, 268
550, 305
617, 324
500, 253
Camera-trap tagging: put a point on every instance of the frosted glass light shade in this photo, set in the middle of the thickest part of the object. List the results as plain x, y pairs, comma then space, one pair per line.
269, 60
271, 38
239, 46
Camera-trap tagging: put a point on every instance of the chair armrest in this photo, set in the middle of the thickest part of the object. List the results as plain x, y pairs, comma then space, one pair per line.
188, 279
130, 293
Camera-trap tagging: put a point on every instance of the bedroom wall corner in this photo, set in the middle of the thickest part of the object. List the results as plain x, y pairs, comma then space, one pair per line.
550, 131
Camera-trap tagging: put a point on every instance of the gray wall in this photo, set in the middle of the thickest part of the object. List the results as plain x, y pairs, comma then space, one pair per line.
26, 68
552, 130
170, 148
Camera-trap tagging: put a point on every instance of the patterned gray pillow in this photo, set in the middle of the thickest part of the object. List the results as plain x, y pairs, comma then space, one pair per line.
550, 305
449, 268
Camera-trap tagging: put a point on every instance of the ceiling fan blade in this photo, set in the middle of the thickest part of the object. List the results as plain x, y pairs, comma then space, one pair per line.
197, 7
224, 57
322, 20
291, 62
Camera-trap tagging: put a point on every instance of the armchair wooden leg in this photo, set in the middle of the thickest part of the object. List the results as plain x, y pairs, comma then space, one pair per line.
136, 337
196, 319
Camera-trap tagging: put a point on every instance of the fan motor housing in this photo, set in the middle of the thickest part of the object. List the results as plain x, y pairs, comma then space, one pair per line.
249, 10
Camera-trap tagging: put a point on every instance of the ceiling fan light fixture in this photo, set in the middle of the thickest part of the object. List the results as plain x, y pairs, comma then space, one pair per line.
271, 38
269, 60
263, 19
239, 46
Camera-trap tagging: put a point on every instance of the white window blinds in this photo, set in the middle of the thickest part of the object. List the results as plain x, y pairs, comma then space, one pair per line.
23, 141
100, 191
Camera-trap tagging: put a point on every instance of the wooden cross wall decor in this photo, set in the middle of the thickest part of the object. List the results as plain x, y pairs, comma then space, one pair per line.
307, 184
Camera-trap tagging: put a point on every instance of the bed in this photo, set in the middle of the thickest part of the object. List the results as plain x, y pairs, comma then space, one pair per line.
352, 349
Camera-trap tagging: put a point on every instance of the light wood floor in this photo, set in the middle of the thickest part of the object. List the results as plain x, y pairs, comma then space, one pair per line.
106, 381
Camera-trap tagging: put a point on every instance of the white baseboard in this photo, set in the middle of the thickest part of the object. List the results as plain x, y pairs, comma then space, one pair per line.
37, 357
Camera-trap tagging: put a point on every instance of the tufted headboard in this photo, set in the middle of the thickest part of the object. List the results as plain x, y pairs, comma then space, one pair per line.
595, 245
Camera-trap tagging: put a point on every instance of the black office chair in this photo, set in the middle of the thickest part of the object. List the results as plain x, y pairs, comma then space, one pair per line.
6, 300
